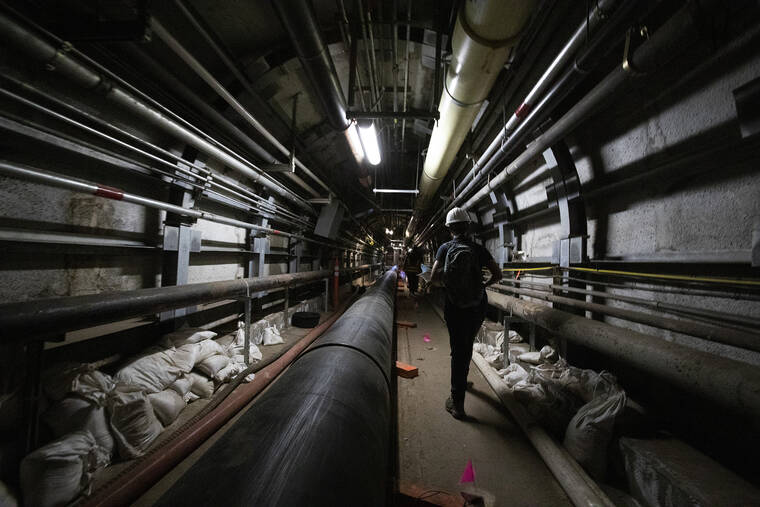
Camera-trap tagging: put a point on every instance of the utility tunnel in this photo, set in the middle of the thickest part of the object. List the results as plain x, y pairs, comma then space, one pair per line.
219, 223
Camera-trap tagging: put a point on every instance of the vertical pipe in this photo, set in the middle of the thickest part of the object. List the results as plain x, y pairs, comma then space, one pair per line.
406, 69
247, 341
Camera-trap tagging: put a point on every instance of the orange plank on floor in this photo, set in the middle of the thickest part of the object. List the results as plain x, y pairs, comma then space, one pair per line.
406, 323
406, 370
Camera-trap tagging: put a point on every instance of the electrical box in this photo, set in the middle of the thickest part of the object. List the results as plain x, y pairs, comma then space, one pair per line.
329, 220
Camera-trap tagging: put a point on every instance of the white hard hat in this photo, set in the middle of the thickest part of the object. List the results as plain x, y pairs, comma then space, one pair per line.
457, 215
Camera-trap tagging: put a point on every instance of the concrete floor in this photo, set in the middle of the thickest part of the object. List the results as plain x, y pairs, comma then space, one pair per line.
434, 447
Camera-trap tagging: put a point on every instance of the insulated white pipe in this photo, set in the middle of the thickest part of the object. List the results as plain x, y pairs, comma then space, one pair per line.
485, 32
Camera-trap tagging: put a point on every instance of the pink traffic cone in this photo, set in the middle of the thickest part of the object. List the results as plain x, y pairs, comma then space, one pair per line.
469, 473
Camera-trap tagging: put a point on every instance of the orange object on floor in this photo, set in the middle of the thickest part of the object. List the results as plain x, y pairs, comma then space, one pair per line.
406, 370
406, 323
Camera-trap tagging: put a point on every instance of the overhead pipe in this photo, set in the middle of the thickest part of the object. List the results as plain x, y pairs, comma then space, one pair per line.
321, 434
209, 113
297, 16
206, 178
715, 333
590, 24
502, 145
677, 34
28, 173
485, 33
144, 472
243, 80
215, 85
58, 60
725, 382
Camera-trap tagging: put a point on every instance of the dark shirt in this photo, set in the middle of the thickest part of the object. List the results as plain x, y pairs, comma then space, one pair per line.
484, 256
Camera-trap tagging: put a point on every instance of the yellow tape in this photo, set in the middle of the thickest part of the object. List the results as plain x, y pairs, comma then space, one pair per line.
528, 269
670, 277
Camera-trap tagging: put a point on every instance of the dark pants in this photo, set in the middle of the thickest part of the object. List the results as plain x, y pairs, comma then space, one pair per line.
412, 281
463, 324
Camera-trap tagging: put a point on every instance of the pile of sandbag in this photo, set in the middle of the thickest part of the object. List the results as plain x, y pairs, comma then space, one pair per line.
579, 406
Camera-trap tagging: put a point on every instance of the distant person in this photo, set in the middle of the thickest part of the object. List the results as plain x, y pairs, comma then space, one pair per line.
412, 268
459, 263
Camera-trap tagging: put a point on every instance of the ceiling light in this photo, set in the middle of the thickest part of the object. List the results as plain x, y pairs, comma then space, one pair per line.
368, 136
355, 142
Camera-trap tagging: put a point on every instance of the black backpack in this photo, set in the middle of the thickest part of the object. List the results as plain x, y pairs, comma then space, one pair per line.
462, 276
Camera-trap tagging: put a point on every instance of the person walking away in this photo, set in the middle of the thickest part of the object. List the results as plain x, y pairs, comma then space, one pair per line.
412, 269
459, 263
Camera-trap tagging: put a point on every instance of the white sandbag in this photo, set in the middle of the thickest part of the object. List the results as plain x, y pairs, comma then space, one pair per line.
514, 337
190, 397
548, 354
77, 378
481, 348
152, 372
7, 498
167, 405
55, 474
228, 372
272, 336
527, 392
515, 349
589, 432
202, 386
57, 380
187, 335
513, 374
75, 414
185, 356
213, 364
182, 385
530, 357
133, 423
207, 349
93, 386
237, 347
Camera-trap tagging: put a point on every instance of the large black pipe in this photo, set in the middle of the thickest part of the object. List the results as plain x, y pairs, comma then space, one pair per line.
320, 435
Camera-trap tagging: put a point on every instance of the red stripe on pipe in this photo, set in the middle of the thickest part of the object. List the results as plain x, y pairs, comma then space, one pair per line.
109, 192
136, 480
523, 110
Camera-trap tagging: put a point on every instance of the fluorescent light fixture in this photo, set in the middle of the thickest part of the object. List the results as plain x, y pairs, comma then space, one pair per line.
368, 136
394, 191
355, 142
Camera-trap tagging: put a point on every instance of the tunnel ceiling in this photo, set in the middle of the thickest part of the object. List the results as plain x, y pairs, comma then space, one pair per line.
254, 36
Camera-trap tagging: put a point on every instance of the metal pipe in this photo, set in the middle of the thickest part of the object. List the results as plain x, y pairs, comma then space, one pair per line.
149, 469
374, 92
725, 382
39, 176
406, 70
681, 30
64, 64
561, 61
321, 434
298, 19
580, 488
378, 80
715, 333
210, 80
659, 305
243, 80
30, 320
484, 35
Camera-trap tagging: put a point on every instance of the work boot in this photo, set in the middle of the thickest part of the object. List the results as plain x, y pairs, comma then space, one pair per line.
455, 409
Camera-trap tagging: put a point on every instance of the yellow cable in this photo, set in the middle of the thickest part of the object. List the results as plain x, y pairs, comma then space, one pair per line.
689, 278
528, 269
